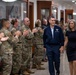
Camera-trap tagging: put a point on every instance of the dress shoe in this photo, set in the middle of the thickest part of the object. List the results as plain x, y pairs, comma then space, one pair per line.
57, 74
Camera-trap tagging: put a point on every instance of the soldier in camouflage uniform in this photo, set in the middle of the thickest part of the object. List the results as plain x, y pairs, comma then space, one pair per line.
2, 39
27, 46
17, 48
38, 44
6, 49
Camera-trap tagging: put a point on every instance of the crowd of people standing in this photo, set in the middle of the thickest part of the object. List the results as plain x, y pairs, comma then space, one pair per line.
16, 44
49, 39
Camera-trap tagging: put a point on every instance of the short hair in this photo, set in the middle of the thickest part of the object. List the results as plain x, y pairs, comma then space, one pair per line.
51, 17
25, 18
57, 22
3, 21
13, 21
38, 23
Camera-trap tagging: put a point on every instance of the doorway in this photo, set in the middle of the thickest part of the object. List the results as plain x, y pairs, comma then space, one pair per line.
62, 16
43, 9
31, 15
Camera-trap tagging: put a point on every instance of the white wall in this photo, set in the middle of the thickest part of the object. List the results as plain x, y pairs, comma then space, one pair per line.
35, 9
2, 10
74, 17
59, 13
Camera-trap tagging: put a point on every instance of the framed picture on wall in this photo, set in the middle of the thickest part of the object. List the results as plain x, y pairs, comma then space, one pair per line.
70, 16
15, 12
45, 13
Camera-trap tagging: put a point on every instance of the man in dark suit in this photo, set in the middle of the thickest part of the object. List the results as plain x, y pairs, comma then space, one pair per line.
53, 43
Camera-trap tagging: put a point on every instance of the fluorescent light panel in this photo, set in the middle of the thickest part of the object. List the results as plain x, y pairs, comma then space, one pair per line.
8, 0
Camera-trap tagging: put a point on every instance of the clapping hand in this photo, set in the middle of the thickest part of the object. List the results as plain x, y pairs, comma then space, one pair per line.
34, 30
4, 39
25, 32
18, 33
1, 35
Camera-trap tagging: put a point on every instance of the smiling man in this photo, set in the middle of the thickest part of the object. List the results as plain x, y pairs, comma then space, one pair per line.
53, 43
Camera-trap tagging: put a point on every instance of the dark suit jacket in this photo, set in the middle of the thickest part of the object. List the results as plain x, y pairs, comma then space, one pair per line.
58, 36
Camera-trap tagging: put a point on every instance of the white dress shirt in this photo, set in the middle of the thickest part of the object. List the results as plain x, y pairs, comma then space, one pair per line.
52, 30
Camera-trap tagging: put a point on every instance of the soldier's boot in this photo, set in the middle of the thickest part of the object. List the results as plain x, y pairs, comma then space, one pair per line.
41, 64
33, 66
29, 71
44, 60
16, 74
26, 73
38, 67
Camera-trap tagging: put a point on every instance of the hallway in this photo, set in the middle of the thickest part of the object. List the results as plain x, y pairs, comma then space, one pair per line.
64, 69
42, 72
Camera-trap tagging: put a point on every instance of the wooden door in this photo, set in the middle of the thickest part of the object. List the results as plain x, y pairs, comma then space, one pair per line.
43, 6
62, 16
68, 14
31, 14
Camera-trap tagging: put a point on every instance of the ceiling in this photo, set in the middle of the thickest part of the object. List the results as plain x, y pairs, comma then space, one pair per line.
17, 0
67, 3
56, 1
61, 1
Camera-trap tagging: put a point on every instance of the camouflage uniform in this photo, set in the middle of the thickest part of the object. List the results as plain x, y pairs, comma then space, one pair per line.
7, 50
27, 47
0, 57
17, 56
38, 44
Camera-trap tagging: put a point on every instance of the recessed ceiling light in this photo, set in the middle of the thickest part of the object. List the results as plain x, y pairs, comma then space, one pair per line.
55, 10
73, 1
25, 11
8, 0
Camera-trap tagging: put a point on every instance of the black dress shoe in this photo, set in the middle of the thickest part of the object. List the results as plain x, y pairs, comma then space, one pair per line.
57, 73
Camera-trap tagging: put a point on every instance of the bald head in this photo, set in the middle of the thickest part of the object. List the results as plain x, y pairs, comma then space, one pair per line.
26, 21
45, 21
